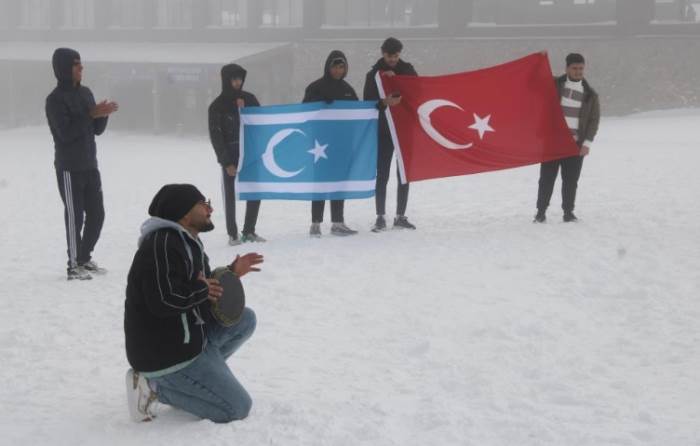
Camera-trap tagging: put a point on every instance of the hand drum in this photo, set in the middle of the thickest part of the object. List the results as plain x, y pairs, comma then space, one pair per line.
229, 308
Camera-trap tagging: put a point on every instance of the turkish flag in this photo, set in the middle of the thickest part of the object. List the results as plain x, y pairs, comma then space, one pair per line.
491, 119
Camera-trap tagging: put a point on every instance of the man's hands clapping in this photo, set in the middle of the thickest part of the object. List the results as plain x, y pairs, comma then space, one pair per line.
104, 109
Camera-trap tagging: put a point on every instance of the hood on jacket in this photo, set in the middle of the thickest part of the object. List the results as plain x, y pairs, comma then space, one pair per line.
62, 62
332, 57
228, 72
154, 224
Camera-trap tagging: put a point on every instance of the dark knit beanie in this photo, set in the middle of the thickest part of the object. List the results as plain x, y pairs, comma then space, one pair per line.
174, 201
392, 45
574, 58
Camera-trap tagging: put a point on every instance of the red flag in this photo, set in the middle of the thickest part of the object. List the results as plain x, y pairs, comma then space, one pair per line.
491, 119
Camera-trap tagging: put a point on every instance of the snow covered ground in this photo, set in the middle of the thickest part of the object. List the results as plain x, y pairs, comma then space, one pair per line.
480, 328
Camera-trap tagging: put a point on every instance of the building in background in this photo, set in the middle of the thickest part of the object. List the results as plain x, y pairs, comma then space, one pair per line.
227, 21
161, 57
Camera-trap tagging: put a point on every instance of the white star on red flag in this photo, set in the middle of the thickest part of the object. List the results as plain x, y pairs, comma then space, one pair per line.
481, 125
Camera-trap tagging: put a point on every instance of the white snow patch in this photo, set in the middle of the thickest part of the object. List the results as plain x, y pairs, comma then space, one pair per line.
479, 328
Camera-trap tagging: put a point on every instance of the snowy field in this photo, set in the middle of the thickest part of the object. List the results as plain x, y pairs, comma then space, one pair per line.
480, 328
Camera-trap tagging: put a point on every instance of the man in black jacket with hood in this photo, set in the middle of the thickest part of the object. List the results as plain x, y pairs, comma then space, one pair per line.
390, 64
177, 350
331, 87
74, 120
224, 128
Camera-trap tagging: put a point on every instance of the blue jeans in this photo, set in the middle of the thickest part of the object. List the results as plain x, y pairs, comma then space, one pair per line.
206, 387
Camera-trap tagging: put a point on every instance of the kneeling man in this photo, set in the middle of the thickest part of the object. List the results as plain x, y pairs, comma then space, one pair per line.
176, 348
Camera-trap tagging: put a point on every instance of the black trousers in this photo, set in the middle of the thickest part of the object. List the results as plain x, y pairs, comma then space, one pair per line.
81, 193
337, 210
251, 211
570, 174
384, 156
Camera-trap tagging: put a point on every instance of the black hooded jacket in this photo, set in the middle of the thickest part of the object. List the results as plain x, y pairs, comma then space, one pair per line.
371, 92
328, 89
224, 119
68, 112
166, 305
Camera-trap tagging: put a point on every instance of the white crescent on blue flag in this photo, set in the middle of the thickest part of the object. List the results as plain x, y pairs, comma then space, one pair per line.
312, 151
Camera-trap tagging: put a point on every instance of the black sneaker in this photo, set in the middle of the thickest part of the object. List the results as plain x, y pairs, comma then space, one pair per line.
380, 224
315, 230
252, 238
92, 267
569, 217
401, 222
77, 273
340, 230
540, 217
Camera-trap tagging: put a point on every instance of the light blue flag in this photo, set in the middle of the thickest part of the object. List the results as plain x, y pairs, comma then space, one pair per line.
313, 151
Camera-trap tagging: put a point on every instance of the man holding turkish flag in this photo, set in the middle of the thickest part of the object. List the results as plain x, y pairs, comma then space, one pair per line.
491, 119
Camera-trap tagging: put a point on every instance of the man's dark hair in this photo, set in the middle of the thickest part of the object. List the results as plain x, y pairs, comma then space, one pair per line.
392, 45
574, 58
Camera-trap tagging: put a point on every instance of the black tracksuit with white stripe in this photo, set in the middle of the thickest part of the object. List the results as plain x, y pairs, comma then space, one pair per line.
73, 129
166, 304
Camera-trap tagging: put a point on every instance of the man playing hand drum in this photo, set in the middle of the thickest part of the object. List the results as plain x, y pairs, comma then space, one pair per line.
176, 349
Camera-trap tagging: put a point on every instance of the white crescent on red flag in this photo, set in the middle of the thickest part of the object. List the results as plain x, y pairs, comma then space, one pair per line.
491, 119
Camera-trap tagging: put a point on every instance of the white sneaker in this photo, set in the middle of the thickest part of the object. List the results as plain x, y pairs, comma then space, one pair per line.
234, 240
140, 398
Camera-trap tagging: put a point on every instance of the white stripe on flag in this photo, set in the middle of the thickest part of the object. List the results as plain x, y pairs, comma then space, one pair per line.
318, 115
300, 188
392, 130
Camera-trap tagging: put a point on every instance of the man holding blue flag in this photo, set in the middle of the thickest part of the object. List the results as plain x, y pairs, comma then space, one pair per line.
316, 151
224, 125
331, 87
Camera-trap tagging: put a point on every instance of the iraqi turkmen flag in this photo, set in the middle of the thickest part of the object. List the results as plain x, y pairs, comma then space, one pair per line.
313, 151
